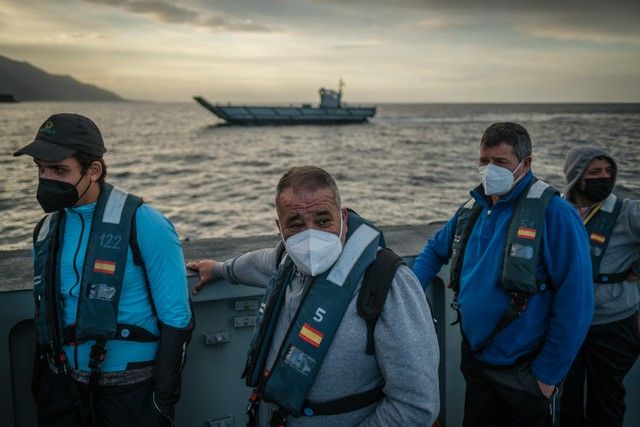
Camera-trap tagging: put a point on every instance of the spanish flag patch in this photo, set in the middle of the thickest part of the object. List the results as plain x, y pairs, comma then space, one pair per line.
598, 238
311, 335
106, 267
526, 233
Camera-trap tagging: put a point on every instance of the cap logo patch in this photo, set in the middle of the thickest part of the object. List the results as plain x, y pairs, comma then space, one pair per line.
48, 128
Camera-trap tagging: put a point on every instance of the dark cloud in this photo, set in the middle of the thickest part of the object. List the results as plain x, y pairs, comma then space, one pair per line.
177, 14
590, 20
596, 20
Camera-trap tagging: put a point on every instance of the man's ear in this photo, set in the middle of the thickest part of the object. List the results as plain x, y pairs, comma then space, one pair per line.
278, 225
95, 171
345, 223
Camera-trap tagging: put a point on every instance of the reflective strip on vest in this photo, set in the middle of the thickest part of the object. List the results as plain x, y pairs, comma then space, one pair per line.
352, 251
609, 203
44, 229
536, 190
115, 204
469, 204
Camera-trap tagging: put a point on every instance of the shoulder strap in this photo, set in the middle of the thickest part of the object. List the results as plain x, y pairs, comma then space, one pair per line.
374, 289
133, 243
138, 260
467, 216
524, 238
105, 264
600, 228
36, 230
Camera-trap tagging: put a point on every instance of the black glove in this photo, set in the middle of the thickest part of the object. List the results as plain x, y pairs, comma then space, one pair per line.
159, 417
170, 360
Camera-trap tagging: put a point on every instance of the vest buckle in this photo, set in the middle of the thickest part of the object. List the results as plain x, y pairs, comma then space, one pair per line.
57, 361
456, 308
518, 302
278, 418
253, 407
97, 356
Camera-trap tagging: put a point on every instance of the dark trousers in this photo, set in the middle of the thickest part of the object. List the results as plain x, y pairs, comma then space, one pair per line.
62, 402
607, 355
504, 396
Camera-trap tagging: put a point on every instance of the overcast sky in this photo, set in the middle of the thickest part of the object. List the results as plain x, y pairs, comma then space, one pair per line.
384, 50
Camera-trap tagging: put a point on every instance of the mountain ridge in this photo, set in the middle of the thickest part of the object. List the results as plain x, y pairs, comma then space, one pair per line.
26, 82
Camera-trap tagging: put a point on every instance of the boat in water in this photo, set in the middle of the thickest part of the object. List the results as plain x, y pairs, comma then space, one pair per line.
330, 111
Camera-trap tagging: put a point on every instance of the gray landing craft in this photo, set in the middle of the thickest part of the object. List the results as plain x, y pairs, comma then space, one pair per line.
330, 111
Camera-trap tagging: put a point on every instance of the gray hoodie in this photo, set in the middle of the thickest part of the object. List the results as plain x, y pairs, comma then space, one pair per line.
406, 350
613, 301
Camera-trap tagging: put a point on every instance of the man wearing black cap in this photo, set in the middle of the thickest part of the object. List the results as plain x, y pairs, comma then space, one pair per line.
112, 308
612, 344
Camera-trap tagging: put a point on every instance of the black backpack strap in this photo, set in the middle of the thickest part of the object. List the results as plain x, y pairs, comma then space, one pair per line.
135, 248
124, 332
602, 278
373, 292
344, 404
138, 260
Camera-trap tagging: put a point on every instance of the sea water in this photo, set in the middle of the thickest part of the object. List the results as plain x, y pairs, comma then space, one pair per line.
411, 164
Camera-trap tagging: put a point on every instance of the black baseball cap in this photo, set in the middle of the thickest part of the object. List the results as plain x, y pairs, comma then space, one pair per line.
63, 135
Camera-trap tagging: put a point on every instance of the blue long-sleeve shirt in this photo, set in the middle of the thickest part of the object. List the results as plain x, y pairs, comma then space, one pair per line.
162, 253
555, 320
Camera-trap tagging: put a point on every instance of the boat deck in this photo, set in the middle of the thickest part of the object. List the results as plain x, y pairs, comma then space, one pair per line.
213, 393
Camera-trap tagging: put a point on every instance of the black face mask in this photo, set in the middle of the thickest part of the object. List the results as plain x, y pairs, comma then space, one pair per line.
56, 195
597, 189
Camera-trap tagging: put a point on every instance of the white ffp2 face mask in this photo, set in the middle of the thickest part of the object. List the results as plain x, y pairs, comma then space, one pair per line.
314, 251
497, 180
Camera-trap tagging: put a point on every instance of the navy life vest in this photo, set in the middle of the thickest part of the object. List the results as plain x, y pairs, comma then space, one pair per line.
112, 230
522, 247
600, 228
324, 302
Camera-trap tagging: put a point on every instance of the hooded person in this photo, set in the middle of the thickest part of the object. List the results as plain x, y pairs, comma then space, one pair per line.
613, 340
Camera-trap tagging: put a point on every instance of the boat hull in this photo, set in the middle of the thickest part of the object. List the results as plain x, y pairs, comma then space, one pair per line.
258, 115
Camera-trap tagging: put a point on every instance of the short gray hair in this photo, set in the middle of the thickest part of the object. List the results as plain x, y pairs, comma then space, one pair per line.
309, 178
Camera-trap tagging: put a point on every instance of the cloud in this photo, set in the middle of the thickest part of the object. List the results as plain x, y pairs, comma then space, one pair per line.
175, 14
586, 25
562, 20
584, 20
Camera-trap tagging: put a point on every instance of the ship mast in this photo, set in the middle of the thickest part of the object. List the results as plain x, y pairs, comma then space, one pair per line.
340, 86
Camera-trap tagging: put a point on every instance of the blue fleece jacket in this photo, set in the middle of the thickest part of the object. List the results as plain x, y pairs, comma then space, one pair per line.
556, 319
162, 254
